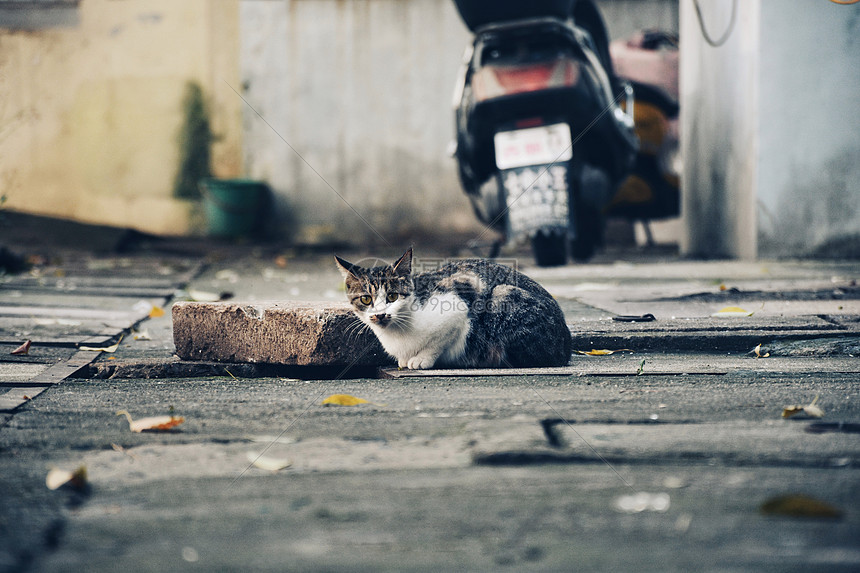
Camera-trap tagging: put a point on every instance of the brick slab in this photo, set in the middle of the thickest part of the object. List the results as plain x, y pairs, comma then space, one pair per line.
320, 334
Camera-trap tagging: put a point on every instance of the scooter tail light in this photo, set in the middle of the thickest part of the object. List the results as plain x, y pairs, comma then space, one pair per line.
496, 81
486, 85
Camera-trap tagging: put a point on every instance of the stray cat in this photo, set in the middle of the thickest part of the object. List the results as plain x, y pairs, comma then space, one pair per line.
468, 313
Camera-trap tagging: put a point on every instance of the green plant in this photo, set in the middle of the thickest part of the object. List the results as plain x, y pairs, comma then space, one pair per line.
195, 143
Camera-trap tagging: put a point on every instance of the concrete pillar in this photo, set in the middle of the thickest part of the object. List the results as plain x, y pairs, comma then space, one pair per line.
719, 99
770, 129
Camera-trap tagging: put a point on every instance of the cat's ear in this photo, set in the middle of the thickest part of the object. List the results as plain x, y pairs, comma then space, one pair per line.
346, 268
403, 266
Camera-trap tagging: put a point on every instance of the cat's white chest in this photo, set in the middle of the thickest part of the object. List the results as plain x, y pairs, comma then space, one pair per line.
436, 332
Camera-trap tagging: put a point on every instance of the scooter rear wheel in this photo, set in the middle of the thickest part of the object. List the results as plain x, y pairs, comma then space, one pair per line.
589, 234
549, 249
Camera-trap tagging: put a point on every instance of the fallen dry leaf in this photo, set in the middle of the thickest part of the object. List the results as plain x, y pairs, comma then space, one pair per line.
23, 349
203, 296
643, 501
758, 354
797, 505
810, 410
814, 411
156, 312
111, 348
595, 352
731, 312
343, 400
57, 478
273, 439
790, 411
153, 423
143, 307
268, 463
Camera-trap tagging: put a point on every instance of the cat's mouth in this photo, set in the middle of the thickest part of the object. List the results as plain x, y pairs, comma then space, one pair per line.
380, 319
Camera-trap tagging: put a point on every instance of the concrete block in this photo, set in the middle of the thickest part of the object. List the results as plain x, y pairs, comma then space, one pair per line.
293, 333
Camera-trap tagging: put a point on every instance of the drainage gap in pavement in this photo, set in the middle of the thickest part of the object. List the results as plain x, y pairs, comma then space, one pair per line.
149, 369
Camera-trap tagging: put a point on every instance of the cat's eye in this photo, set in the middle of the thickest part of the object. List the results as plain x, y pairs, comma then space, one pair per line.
365, 299
392, 296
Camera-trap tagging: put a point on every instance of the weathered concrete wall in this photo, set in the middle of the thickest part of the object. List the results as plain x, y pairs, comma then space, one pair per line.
91, 104
354, 104
808, 186
90, 107
769, 130
356, 98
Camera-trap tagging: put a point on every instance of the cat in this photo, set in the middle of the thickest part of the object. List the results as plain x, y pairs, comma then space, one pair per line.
468, 313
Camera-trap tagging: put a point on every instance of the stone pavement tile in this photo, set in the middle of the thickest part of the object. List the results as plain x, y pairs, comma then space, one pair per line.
769, 443
406, 482
73, 301
17, 372
15, 396
655, 364
548, 518
707, 334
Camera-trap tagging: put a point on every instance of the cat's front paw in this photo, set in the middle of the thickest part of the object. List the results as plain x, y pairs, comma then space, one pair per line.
420, 362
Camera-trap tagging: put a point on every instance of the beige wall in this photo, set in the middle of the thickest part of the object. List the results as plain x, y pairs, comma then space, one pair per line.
90, 111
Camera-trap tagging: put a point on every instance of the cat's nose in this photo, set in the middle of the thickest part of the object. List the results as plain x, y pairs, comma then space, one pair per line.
379, 318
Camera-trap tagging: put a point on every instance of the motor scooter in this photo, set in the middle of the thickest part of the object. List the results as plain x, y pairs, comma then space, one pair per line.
649, 62
542, 140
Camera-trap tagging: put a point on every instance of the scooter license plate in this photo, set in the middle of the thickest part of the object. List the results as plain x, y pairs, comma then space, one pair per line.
533, 146
537, 198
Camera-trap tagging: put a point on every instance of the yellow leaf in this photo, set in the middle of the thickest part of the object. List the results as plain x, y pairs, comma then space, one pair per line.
153, 423
758, 353
731, 312
268, 463
57, 478
790, 411
156, 312
343, 400
595, 352
810, 410
800, 506
111, 348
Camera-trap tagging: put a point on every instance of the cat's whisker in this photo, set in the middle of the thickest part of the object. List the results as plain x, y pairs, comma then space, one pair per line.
401, 320
355, 329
